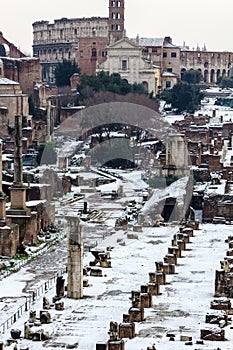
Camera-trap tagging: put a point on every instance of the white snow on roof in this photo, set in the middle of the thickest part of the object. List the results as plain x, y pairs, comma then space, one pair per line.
169, 74
5, 81
149, 41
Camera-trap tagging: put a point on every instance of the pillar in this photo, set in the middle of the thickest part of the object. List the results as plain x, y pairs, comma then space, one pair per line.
18, 190
75, 259
2, 195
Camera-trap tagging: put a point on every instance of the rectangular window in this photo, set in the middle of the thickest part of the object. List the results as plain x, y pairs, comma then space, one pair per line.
113, 3
118, 27
123, 64
113, 15
168, 84
173, 54
104, 53
165, 54
169, 70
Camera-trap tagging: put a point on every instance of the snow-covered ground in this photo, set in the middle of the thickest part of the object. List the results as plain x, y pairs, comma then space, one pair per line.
180, 309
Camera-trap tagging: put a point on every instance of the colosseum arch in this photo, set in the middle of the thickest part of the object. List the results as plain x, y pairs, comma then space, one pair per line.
206, 76
212, 76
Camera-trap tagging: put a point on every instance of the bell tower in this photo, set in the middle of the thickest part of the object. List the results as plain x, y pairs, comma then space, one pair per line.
116, 19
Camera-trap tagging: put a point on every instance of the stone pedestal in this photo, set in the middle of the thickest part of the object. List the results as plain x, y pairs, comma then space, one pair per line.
116, 345
127, 330
136, 314
153, 288
145, 300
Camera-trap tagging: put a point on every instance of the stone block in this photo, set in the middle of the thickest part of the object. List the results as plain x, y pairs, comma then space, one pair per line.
153, 288
145, 300
213, 334
15, 333
136, 314
96, 272
185, 338
116, 345
101, 346
127, 330
170, 259
220, 304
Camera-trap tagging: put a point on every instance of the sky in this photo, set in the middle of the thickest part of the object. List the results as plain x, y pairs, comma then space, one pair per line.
194, 22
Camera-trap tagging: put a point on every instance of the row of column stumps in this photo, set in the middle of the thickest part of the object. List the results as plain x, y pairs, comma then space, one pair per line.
144, 298
221, 306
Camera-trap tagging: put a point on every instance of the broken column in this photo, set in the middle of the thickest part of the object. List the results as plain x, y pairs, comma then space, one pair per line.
18, 212
115, 343
136, 312
60, 288
75, 259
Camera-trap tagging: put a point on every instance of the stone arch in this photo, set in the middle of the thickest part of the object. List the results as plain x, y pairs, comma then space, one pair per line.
206, 76
218, 74
81, 124
212, 76
224, 72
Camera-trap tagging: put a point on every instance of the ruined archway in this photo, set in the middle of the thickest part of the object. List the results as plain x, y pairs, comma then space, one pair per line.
81, 124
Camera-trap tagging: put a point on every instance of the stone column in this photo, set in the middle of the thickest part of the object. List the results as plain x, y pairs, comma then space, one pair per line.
49, 121
18, 160
2, 195
75, 259
18, 190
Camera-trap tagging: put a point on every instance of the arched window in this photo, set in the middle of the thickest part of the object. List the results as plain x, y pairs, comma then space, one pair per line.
93, 52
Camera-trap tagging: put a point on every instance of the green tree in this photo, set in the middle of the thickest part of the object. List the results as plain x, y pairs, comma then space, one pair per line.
105, 82
225, 82
192, 76
183, 97
64, 70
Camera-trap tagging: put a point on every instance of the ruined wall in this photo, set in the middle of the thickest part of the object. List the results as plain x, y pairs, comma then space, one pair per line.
14, 51
9, 240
